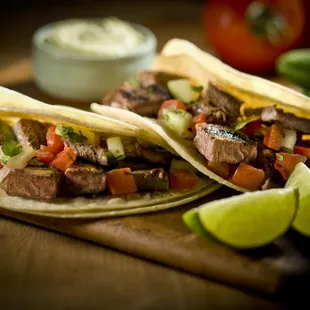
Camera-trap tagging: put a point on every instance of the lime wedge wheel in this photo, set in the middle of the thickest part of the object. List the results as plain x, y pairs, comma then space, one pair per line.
300, 178
247, 220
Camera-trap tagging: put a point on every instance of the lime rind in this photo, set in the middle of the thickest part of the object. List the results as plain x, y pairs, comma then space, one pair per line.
300, 178
250, 220
192, 221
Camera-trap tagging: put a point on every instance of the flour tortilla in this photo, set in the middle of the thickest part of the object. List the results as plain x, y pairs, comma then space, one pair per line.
183, 58
14, 106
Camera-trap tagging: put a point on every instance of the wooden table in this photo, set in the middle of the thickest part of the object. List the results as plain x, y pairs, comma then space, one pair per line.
44, 270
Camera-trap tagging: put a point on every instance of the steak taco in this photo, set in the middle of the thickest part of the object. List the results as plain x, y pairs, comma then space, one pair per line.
61, 161
245, 132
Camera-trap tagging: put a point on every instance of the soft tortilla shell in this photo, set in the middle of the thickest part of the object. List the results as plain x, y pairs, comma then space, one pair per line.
183, 57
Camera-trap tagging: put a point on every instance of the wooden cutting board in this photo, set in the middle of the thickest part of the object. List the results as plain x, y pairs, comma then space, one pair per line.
279, 270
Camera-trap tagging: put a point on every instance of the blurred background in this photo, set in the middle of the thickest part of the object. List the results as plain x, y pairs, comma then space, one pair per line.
248, 35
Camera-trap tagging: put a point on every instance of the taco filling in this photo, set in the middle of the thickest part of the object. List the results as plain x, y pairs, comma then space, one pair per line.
255, 150
42, 161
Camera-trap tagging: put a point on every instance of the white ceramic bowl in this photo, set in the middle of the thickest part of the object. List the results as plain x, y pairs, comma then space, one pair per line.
83, 77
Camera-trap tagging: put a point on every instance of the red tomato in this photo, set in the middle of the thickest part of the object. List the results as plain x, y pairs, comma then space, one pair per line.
45, 156
248, 177
252, 128
64, 159
305, 151
1, 166
182, 179
273, 137
197, 119
121, 181
54, 141
285, 163
242, 40
171, 104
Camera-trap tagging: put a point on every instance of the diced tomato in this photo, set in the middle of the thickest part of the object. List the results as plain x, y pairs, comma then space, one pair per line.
286, 163
273, 137
121, 181
181, 179
197, 119
64, 159
248, 177
252, 128
54, 141
45, 156
305, 151
1, 166
221, 169
171, 104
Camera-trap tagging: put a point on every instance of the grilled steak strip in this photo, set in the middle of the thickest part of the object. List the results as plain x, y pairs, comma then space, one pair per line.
225, 101
31, 132
288, 120
151, 180
220, 144
85, 179
33, 183
145, 98
214, 115
92, 153
133, 150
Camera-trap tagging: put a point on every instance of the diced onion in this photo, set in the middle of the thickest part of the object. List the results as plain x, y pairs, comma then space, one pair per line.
182, 89
115, 146
20, 161
4, 171
178, 120
289, 138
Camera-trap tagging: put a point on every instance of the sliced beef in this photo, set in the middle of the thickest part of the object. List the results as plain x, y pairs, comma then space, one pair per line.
225, 101
85, 179
91, 153
265, 161
148, 78
220, 144
33, 183
31, 132
134, 165
34, 162
151, 180
145, 98
214, 115
288, 120
134, 150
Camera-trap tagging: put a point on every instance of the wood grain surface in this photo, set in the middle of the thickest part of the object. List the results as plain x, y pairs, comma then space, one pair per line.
43, 270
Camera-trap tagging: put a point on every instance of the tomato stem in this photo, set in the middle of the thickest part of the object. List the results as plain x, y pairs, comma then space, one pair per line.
266, 22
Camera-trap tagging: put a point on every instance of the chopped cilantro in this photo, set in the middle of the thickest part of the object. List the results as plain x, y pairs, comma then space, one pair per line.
244, 123
280, 157
287, 150
133, 82
67, 132
10, 149
197, 88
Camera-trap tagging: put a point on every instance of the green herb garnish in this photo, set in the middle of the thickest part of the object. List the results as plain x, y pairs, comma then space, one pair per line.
286, 150
133, 82
280, 157
9, 150
67, 132
197, 89
244, 123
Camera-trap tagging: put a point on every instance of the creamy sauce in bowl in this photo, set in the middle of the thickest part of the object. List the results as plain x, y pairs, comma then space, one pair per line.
107, 38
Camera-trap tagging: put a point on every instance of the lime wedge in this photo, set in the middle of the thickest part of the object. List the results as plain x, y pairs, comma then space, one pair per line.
191, 220
251, 219
300, 178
